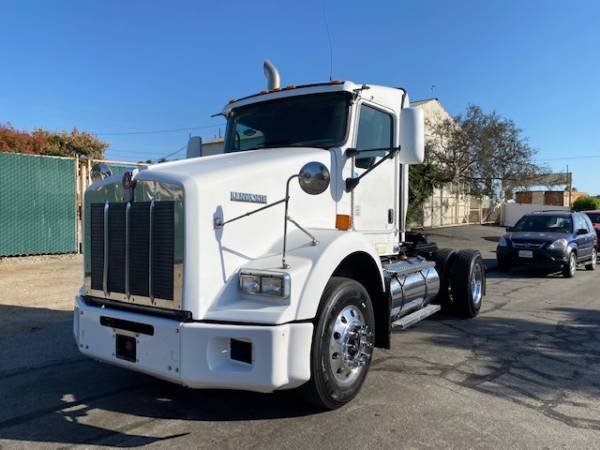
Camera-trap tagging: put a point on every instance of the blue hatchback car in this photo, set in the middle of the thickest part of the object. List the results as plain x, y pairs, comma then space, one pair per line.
554, 240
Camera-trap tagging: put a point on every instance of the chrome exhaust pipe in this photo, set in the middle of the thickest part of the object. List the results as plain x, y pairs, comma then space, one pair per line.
272, 74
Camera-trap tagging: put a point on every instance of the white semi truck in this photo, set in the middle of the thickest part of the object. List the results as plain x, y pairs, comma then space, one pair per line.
279, 264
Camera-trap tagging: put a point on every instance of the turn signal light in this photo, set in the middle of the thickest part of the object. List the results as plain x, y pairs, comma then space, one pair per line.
343, 222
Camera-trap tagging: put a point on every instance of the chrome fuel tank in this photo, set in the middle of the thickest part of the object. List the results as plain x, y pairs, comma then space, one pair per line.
411, 285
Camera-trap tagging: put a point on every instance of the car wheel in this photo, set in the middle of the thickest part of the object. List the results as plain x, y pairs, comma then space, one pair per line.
593, 261
570, 268
468, 282
342, 344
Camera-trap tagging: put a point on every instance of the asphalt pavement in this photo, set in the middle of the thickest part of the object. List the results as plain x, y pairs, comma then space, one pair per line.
523, 374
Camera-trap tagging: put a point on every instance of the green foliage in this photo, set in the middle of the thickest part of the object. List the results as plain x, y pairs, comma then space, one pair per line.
586, 203
43, 142
422, 179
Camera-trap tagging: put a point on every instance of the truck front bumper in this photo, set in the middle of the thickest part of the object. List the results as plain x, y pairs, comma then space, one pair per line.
197, 354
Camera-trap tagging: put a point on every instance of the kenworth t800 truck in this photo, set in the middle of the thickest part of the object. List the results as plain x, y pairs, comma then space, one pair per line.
279, 264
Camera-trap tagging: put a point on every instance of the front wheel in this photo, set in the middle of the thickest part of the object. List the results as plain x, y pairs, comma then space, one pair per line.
593, 261
570, 268
342, 344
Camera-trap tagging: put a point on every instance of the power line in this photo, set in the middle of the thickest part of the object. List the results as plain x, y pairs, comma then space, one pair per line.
171, 130
571, 157
174, 153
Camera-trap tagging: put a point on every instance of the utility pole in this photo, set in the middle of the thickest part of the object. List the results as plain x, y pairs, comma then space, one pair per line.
570, 181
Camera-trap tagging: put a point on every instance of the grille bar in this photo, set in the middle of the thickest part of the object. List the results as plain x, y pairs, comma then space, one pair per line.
127, 213
105, 261
150, 239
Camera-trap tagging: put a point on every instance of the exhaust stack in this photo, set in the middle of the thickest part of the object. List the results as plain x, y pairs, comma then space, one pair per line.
272, 74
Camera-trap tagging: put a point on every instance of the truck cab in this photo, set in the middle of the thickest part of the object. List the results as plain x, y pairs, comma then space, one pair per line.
278, 264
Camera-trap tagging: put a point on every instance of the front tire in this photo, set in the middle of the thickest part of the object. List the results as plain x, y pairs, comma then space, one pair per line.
570, 268
342, 344
593, 261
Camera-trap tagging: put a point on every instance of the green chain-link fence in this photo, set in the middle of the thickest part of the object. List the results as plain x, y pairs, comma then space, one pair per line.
37, 205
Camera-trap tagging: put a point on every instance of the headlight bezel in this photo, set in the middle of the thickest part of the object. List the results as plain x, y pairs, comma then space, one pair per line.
502, 242
559, 244
266, 280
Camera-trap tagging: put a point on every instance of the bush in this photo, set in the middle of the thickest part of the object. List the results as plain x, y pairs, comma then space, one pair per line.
586, 203
43, 142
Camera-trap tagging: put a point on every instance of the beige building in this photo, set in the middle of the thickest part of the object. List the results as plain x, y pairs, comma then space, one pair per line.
553, 198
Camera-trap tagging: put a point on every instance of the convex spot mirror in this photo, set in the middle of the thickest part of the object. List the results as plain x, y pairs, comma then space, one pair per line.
100, 171
412, 136
314, 178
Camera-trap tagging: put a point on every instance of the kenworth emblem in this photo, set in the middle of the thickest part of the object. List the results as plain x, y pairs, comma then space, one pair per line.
250, 198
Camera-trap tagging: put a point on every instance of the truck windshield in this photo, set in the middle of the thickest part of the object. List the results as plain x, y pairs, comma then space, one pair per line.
544, 223
317, 120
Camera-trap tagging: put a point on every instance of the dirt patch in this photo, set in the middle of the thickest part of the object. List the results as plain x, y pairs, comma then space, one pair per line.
33, 288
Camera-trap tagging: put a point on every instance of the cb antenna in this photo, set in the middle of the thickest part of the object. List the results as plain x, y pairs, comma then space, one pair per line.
328, 40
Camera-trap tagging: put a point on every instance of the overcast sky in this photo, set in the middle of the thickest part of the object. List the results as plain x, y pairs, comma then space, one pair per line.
127, 66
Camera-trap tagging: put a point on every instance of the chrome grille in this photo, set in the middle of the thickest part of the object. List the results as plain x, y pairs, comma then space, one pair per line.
133, 248
528, 245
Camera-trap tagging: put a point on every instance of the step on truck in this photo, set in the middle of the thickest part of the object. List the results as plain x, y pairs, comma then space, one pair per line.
279, 264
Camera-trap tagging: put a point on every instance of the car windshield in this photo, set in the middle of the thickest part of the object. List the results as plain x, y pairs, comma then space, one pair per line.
594, 217
544, 223
317, 120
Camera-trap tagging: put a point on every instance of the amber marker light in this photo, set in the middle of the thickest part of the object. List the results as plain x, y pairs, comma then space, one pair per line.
343, 222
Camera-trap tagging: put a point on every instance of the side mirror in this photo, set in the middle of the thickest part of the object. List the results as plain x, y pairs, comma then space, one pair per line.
314, 178
508, 229
412, 136
100, 171
194, 147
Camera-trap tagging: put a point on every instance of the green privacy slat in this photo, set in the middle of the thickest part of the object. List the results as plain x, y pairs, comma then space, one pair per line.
37, 205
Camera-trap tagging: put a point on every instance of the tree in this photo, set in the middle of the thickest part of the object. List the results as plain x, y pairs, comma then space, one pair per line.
484, 150
43, 142
586, 203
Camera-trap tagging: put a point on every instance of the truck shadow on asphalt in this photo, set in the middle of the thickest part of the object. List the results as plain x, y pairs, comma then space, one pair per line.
549, 366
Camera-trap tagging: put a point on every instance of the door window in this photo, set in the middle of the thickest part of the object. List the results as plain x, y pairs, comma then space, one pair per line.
374, 131
580, 223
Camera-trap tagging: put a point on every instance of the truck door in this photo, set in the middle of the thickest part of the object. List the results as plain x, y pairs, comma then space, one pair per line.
375, 199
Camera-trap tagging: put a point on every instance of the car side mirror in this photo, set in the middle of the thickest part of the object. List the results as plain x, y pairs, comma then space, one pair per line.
582, 231
508, 229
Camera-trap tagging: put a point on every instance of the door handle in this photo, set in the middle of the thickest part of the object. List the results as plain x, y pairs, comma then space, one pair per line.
391, 216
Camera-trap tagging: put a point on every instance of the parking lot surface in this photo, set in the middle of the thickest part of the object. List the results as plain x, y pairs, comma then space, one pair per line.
524, 374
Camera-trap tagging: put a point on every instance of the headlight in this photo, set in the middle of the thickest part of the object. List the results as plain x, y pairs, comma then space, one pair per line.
559, 244
250, 284
270, 284
502, 242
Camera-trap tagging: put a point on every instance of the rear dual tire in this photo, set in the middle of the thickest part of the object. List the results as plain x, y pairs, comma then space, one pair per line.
462, 281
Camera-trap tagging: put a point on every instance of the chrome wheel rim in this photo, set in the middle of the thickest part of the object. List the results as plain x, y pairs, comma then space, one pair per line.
594, 258
350, 345
572, 264
477, 285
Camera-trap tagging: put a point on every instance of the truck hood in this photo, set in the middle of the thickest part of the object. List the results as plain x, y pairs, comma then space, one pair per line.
226, 186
